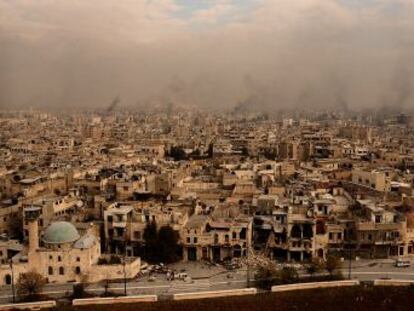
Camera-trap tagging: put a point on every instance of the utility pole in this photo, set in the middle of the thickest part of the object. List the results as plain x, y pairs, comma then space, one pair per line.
350, 263
248, 253
248, 269
12, 280
125, 277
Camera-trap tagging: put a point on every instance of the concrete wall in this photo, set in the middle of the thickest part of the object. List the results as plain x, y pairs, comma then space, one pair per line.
112, 300
215, 294
29, 305
301, 286
393, 282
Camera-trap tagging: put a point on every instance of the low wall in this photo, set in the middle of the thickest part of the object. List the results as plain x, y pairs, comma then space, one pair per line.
215, 294
299, 286
112, 272
114, 300
29, 305
393, 282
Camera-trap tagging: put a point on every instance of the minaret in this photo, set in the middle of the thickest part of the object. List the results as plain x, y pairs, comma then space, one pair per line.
32, 214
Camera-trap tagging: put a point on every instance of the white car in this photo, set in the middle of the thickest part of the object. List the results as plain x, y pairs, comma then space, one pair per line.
400, 263
181, 276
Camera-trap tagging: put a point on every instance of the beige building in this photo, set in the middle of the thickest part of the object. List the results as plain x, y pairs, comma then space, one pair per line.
215, 240
63, 255
375, 179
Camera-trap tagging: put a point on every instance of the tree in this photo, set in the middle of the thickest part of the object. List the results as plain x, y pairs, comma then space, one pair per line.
315, 266
266, 275
79, 289
244, 151
332, 265
177, 153
288, 275
30, 284
150, 238
168, 245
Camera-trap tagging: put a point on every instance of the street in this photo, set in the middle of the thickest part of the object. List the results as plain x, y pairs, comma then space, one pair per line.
216, 279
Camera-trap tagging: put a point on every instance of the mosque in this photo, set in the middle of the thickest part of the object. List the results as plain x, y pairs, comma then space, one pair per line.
64, 255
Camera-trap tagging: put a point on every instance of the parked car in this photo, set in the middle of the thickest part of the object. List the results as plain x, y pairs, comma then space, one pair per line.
400, 263
181, 276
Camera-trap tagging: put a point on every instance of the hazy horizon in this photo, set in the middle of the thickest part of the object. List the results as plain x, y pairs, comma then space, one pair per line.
269, 54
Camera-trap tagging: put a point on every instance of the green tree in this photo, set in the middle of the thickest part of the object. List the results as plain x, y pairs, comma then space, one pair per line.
168, 245
30, 284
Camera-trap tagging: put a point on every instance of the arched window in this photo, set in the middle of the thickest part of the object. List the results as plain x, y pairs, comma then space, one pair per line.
50, 271
61, 271
7, 279
78, 270
59, 258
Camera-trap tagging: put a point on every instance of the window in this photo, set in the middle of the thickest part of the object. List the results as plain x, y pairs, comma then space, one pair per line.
77, 270
243, 234
195, 240
188, 240
137, 235
339, 236
61, 271
51, 257
330, 235
110, 218
77, 259
50, 271
59, 258
7, 279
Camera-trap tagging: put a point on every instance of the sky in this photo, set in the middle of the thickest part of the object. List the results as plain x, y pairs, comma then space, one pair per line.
263, 54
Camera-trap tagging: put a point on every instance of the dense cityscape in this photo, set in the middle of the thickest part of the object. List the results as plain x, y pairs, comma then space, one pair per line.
191, 155
112, 196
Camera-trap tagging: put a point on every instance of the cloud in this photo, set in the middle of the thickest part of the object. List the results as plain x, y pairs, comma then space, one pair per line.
267, 53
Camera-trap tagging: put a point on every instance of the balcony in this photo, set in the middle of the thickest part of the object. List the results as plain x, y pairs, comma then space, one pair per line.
119, 224
369, 226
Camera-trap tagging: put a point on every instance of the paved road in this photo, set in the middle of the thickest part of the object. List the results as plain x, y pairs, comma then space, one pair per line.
364, 271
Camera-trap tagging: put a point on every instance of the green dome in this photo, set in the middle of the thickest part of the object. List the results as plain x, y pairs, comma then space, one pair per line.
60, 232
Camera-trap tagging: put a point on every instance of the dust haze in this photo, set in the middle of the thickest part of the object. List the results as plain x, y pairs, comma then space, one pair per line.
265, 54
